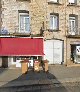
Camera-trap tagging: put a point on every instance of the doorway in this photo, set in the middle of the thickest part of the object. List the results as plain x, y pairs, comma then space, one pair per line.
75, 53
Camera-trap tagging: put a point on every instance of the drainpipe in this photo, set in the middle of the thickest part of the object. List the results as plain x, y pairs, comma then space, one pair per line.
65, 32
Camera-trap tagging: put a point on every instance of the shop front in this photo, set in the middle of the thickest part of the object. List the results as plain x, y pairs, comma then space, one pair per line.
14, 50
16, 60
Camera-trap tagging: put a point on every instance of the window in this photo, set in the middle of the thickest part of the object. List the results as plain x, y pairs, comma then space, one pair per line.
54, 21
73, 24
72, 1
24, 22
54, 0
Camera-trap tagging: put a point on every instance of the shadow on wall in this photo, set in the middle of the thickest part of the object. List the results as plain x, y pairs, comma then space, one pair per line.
33, 82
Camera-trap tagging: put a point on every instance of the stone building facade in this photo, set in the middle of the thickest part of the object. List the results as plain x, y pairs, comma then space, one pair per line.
39, 12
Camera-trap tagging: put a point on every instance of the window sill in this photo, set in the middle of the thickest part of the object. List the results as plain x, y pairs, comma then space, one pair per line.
73, 36
73, 5
21, 34
54, 30
51, 2
24, 0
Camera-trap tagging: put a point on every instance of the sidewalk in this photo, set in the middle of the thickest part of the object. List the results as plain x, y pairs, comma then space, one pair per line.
57, 74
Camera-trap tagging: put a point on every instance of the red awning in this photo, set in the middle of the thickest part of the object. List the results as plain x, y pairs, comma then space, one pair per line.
21, 47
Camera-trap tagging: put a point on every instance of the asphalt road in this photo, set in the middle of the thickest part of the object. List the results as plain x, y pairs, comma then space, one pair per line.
16, 80
66, 87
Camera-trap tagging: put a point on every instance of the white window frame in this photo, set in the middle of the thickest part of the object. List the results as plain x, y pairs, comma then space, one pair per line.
54, 25
73, 24
72, 19
24, 14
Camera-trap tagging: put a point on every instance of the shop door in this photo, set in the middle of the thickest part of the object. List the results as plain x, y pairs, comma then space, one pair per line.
48, 51
57, 51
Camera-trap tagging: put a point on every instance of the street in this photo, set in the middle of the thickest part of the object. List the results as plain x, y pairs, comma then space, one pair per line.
58, 79
65, 87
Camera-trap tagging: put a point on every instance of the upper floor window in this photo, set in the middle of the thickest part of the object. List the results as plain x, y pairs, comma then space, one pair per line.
54, 1
54, 21
73, 24
24, 22
72, 1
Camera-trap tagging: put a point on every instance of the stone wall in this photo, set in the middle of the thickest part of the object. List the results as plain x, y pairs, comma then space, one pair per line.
0, 14
10, 13
11, 18
39, 11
